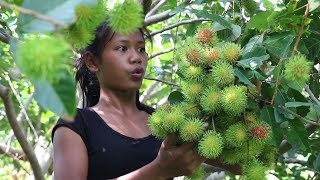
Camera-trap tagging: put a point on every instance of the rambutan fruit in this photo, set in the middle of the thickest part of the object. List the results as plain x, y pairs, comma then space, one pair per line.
298, 69
268, 156
234, 99
236, 135
155, 123
254, 170
232, 156
126, 17
260, 132
78, 37
193, 72
173, 119
191, 109
209, 100
193, 90
222, 74
198, 174
193, 53
224, 120
231, 52
210, 145
212, 55
250, 117
206, 35
44, 58
191, 130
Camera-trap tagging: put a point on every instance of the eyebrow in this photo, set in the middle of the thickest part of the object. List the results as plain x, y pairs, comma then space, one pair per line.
126, 41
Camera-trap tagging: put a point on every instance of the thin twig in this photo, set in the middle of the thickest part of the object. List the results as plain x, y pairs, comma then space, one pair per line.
163, 81
306, 87
33, 13
156, 7
295, 48
178, 24
162, 52
297, 115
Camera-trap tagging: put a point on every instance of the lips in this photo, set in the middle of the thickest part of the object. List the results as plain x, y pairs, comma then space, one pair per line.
137, 74
137, 71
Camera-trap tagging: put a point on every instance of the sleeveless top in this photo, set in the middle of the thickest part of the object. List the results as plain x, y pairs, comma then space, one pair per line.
110, 154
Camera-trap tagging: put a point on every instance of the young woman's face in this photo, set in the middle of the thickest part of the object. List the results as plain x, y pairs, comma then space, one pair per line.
123, 62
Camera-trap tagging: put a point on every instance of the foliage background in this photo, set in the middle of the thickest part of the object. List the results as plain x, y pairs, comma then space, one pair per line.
268, 35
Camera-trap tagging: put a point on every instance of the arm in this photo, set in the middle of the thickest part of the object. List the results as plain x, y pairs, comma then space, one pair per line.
70, 155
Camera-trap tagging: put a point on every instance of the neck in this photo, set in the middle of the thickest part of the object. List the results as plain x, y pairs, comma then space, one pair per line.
123, 102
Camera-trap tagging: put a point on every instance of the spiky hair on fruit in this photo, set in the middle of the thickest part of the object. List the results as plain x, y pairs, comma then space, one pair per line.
209, 100
191, 109
126, 17
212, 55
206, 35
44, 58
193, 90
254, 170
222, 74
155, 122
210, 145
192, 53
234, 99
232, 156
191, 129
173, 119
236, 135
224, 120
298, 69
260, 132
198, 174
250, 117
231, 52
193, 72
268, 156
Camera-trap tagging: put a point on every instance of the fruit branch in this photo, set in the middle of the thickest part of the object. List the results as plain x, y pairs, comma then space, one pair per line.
17, 129
10, 151
33, 13
297, 161
295, 48
163, 81
162, 52
178, 24
156, 7
306, 87
298, 116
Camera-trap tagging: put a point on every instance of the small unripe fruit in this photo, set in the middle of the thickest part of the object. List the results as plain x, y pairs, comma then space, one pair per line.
250, 117
236, 135
193, 72
209, 101
222, 74
210, 145
191, 130
205, 35
212, 55
254, 170
234, 99
155, 123
232, 156
172, 120
298, 69
191, 109
193, 55
193, 90
231, 52
260, 132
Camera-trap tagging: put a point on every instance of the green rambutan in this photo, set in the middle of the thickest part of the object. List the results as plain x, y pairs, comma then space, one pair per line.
126, 17
44, 58
209, 101
222, 74
232, 156
191, 130
193, 53
198, 174
212, 55
250, 117
78, 37
224, 120
173, 119
260, 132
234, 99
191, 109
210, 145
298, 69
193, 90
231, 52
254, 170
206, 35
193, 72
236, 135
155, 123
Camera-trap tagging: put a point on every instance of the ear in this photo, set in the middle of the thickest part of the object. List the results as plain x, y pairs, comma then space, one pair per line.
90, 62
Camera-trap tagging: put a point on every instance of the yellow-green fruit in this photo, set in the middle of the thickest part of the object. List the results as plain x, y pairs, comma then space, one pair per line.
191, 130
155, 124
250, 117
173, 119
234, 99
44, 58
254, 170
199, 174
209, 101
212, 55
298, 69
236, 135
210, 145
193, 55
224, 120
78, 37
222, 74
260, 132
126, 17
231, 52
205, 35
193, 90
193, 72
191, 109
232, 156
268, 156
250, 6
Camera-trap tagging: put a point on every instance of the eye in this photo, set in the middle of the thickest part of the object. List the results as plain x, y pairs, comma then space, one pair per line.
122, 48
142, 50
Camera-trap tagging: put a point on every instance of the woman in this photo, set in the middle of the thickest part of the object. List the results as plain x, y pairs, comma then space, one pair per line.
110, 138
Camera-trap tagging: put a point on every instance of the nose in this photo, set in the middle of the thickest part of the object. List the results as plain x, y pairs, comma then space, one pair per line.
135, 58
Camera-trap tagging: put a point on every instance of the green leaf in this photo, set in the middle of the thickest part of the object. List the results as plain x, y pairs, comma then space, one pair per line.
252, 44
242, 75
313, 5
296, 104
214, 17
175, 97
280, 45
60, 97
267, 115
225, 33
259, 21
268, 5
313, 45
254, 59
298, 134
59, 10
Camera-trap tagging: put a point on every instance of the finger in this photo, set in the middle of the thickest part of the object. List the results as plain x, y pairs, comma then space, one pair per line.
188, 146
170, 141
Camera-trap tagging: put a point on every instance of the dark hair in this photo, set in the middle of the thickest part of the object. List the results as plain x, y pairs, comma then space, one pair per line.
88, 81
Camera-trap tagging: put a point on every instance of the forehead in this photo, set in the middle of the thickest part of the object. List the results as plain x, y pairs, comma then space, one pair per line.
136, 37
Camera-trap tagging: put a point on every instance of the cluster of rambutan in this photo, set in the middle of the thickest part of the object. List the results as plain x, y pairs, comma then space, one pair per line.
214, 96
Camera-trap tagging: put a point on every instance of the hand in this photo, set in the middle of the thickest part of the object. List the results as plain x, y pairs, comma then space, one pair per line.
175, 161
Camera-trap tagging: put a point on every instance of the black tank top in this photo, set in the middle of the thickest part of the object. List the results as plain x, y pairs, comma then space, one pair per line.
110, 153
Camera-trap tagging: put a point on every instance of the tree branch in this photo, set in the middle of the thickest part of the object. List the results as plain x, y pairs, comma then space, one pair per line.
27, 148
178, 24
33, 13
163, 81
162, 52
297, 115
306, 87
297, 161
156, 7
18, 153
